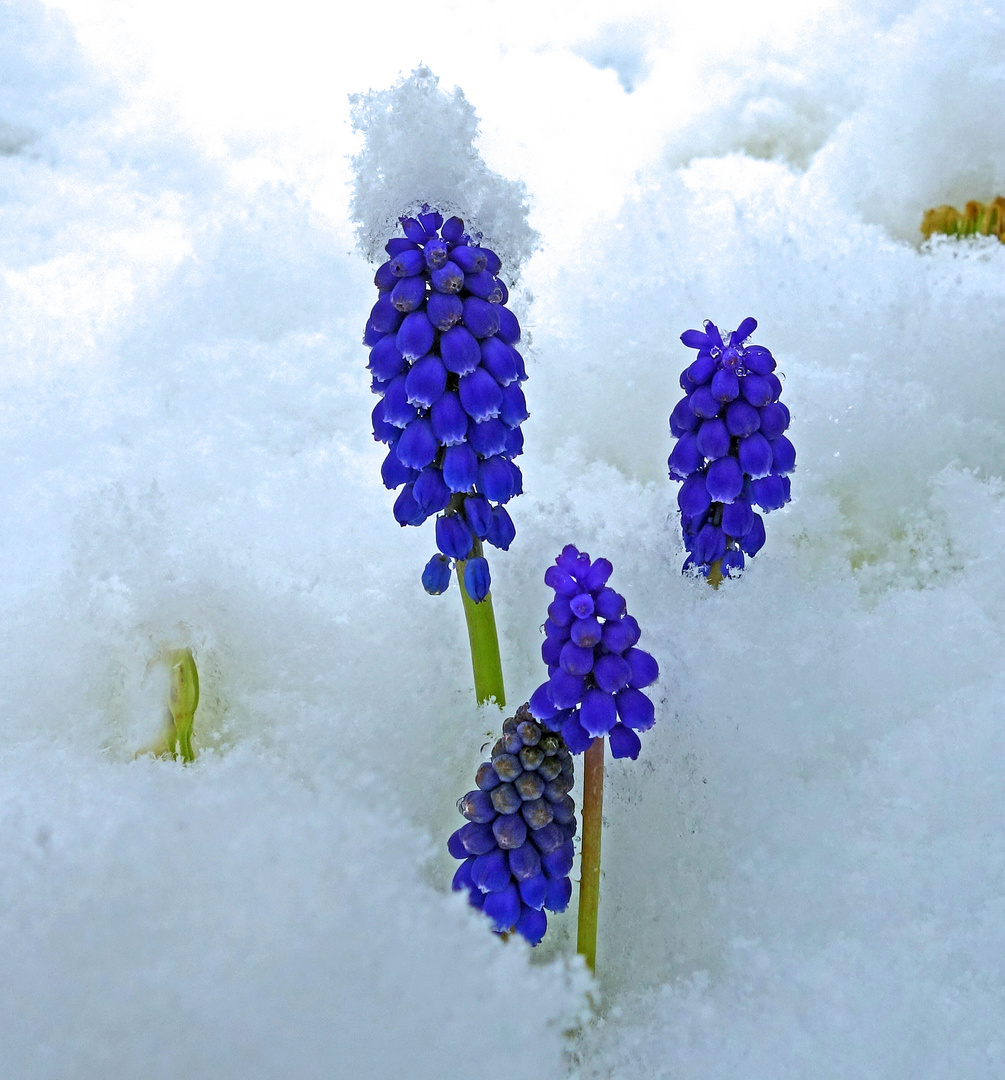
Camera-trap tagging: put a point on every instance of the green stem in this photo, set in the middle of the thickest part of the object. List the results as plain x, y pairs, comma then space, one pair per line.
484, 641
183, 701
589, 878
715, 578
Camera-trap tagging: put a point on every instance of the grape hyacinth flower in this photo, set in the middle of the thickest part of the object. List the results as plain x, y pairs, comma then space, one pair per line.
596, 678
444, 363
596, 675
517, 845
731, 452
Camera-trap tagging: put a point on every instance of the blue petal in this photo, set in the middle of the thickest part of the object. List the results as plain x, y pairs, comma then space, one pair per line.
453, 537
418, 446
449, 420
488, 438
448, 278
524, 862
576, 737
609, 604
713, 439
478, 514
743, 331
444, 310
385, 360
509, 327
415, 336
408, 293
724, 480
460, 467
754, 540
695, 339
425, 382
783, 455
597, 712
477, 579
565, 690
532, 924
757, 389
755, 455
635, 709
430, 491
481, 317
459, 349
644, 669
624, 742
480, 395
501, 530
503, 908
742, 418
559, 894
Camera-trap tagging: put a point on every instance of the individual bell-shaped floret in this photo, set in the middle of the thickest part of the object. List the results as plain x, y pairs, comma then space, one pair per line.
453, 537
418, 446
477, 579
431, 491
481, 317
501, 529
480, 395
436, 576
408, 294
415, 336
449, 420
425, 382
460, 351
460, 467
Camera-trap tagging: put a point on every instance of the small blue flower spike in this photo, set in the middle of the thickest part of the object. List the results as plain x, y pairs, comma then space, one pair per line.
731, 453
444, 362
596, 675
517, 845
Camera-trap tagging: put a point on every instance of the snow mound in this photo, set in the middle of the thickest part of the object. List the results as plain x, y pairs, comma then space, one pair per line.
419, 150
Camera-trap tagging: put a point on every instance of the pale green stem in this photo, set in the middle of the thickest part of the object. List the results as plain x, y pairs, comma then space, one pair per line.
182, 703
484, 641
589, 865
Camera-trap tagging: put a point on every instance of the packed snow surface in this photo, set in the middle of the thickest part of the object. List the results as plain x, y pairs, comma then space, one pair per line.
804, 872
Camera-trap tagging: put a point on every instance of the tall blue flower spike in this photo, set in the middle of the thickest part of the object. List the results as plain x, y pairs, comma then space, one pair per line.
731, 452
596, 675
444, 362
517, 845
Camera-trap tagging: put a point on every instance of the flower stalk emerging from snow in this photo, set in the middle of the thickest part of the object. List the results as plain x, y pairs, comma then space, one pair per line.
517, 845
977, 219
731, 453
443, 361
596, 678
183, 700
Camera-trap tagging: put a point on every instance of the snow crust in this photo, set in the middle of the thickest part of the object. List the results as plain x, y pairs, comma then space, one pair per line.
419, 150
804, 872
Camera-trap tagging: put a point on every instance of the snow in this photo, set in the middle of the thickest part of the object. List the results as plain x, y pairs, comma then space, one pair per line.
804, 871
419, 138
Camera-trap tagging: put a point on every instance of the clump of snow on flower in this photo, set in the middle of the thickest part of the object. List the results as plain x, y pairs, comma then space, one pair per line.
419, 150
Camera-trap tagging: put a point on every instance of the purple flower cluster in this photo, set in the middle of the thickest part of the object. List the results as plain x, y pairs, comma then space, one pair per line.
595, 674
443, 361
517, 845
731, 453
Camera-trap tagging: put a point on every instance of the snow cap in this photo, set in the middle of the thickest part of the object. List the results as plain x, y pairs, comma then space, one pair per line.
418, 150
